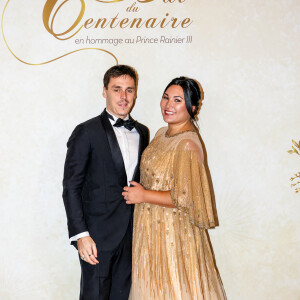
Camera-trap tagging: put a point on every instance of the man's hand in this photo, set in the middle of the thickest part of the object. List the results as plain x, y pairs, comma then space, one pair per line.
134, 194
87, 250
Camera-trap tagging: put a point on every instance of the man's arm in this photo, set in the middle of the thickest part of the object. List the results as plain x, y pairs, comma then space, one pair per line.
74, 177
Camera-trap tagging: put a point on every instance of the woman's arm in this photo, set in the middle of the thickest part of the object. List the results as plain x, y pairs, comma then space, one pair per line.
137, 194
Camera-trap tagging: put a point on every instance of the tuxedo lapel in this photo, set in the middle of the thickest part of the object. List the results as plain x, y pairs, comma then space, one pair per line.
115, 149
136, 174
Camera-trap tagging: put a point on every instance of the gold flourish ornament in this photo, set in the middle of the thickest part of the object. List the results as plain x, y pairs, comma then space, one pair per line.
296, 176
52, 60
109, 1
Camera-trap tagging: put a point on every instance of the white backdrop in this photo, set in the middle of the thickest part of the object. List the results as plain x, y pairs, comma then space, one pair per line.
246, 56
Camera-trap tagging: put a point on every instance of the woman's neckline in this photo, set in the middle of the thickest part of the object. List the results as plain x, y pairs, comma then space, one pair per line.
178, 133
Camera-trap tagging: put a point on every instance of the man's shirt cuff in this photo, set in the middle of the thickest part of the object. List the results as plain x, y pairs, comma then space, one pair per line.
78, 236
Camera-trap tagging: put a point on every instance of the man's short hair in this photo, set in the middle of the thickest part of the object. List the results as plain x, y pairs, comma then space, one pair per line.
117, 71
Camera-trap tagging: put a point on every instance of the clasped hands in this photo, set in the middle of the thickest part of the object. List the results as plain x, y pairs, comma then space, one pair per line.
134, 194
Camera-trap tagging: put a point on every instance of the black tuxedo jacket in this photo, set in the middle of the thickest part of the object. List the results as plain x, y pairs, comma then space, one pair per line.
94, 177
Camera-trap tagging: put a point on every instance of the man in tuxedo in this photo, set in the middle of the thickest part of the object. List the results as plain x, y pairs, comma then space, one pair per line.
103, 156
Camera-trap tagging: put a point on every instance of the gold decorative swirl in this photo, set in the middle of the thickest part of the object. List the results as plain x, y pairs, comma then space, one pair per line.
109, 1
296, 178
70, 29
49, 61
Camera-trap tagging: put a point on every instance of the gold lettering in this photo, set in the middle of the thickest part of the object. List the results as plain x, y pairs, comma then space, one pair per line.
103, 20
138, 20
152, 21
163, 22
113, 21
49, 8
132, 8
186, 21
174, 22
123, 22
88, 22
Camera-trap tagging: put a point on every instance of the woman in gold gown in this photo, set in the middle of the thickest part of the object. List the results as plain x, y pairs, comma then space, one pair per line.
172, 255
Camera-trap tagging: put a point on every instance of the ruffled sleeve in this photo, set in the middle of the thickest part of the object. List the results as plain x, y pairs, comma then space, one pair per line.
190, 190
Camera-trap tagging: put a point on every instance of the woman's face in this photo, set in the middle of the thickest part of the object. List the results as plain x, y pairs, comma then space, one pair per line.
173, 107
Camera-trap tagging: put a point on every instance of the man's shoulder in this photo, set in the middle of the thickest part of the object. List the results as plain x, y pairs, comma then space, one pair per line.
88, 127
91, 122
143, 127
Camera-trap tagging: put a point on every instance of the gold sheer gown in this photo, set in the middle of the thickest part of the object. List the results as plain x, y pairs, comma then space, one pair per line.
172, 255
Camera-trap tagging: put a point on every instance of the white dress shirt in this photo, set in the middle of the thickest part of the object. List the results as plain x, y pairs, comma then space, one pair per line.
129, 145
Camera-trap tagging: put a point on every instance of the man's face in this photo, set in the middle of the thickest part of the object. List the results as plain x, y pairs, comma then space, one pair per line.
120, 95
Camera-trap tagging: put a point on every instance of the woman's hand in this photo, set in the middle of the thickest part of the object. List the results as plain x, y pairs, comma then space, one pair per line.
134, 194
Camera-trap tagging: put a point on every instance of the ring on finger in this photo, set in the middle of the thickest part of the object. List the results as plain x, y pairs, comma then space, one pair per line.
91, 254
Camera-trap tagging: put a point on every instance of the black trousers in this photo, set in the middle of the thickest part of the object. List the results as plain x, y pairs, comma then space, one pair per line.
111, 278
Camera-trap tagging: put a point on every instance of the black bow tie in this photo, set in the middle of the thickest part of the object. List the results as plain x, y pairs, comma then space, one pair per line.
128, 124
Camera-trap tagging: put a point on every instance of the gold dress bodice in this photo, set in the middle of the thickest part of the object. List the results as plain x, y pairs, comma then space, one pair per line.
172, 256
